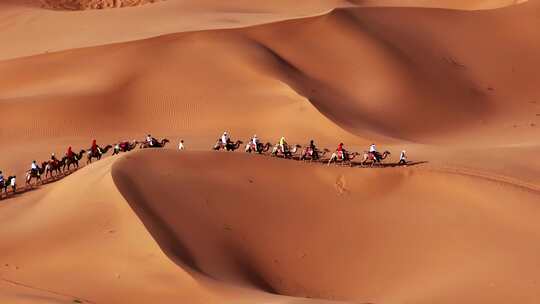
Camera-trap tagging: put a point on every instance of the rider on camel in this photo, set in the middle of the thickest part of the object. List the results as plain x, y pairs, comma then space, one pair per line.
225, 139
312, 150
53, 158
69, 153
150, 140
255, 143
341, 153
94, 148
1, 178
373, 151
283, 144
34, 169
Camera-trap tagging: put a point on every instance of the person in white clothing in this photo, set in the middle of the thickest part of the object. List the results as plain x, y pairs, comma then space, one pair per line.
181, 145
403, 158
255, 143
34, 168
1, 179
13, 184
149, 140
373, 150
225, 138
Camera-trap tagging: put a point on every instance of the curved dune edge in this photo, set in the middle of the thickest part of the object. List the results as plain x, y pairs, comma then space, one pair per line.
382, 84
369, 82
92, 4
78, 239
39, 31
378, 236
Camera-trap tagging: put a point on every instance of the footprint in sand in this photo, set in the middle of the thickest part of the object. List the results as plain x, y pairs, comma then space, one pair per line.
341, 185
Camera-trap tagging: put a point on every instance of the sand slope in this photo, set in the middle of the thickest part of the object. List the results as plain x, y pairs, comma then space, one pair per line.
79, 239
442, 67
375, 236
37, 30
457, 89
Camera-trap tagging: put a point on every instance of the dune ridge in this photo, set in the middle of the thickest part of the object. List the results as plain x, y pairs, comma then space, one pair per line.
39, 31
285, 251
92, 4
455, 86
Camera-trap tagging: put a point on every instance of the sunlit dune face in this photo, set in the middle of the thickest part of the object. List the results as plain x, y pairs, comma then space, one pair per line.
92, 4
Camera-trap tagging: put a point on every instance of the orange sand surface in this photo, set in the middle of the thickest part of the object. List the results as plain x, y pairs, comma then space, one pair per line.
455, 83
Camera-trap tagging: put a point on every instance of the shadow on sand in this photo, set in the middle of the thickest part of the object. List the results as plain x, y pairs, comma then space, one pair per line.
27, 188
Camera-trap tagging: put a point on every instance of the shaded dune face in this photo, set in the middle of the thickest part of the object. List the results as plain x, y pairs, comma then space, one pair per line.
377, 236
415, 74
91, 4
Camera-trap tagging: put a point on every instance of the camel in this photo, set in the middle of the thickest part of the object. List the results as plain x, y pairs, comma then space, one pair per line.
368, 156
35, 174
98, 155
124, 147
288, 153
6, 183
68, 161
230, 146
54, 166
156, 144
347, 159
260, 148
309, 155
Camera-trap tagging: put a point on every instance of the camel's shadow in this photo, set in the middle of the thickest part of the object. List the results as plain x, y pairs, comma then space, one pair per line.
388, 165
354, 164
28, 188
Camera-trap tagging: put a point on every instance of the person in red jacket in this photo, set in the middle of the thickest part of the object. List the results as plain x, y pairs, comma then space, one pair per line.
94, 147
341, 153
69, 153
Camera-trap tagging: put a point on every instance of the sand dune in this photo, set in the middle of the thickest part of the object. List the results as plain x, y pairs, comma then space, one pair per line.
294, 229
449, 76
454, 84
337, 233
79, 239
37, 30
92, 4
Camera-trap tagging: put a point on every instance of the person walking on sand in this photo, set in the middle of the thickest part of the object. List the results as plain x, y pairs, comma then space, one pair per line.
13, 184
403, 158
181, 145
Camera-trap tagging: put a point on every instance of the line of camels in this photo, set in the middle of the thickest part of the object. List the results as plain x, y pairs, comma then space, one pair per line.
306, 154
55, 168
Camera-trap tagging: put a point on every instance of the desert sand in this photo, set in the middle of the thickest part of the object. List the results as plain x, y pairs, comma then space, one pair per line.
455, 83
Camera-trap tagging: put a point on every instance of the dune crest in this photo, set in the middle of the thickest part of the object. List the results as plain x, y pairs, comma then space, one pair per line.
456, 86
92, 4
337, 233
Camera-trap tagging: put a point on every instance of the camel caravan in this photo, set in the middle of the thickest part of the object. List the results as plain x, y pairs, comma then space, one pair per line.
310, 153
55, 168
